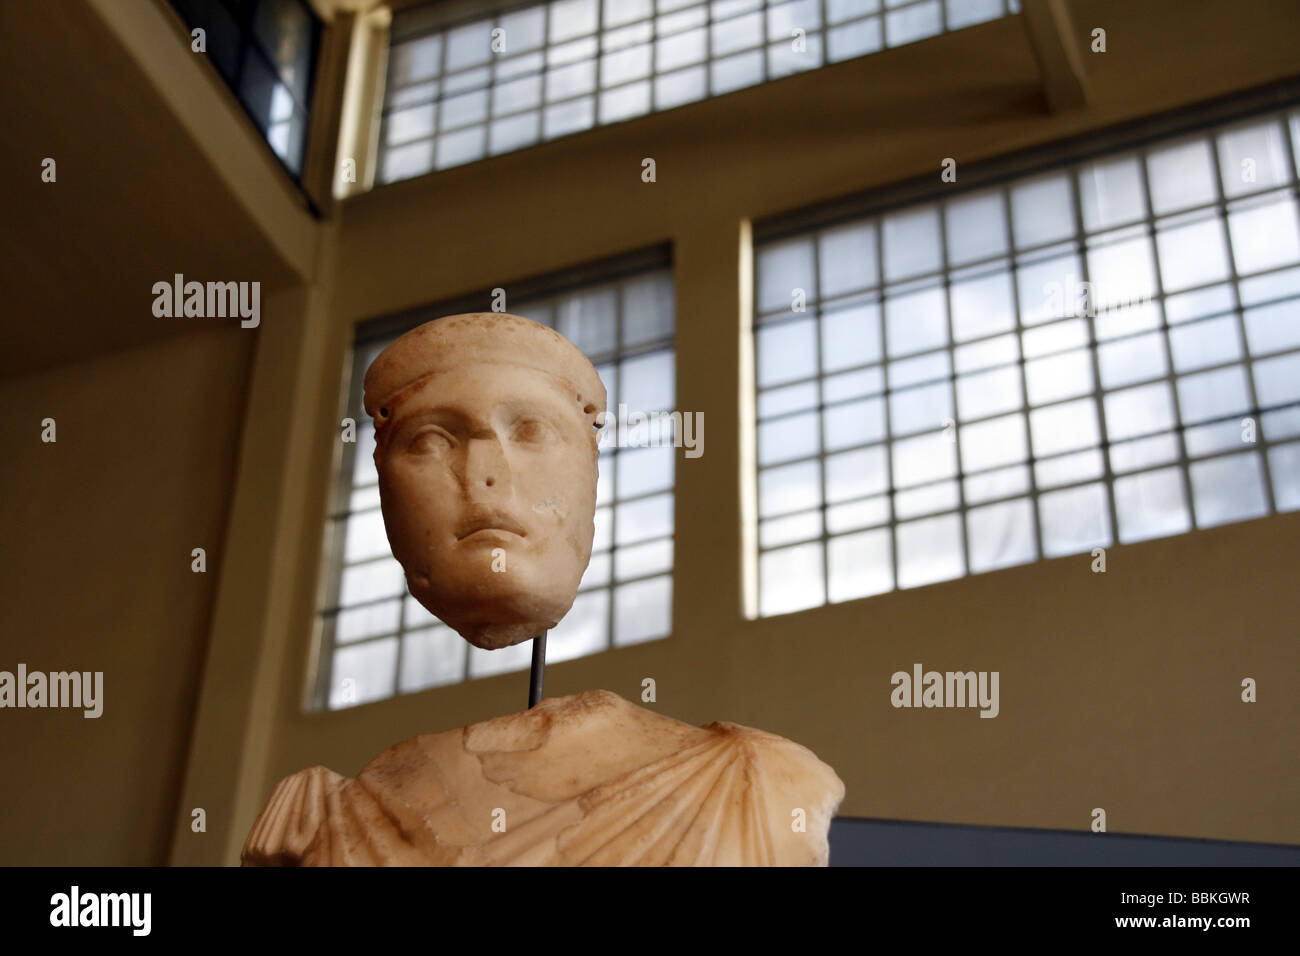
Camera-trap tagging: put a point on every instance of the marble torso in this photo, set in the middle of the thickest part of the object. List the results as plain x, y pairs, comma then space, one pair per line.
589, 779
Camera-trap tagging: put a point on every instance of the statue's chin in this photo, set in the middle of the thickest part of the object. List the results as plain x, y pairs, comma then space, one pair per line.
492, 613
499, 620
493, 637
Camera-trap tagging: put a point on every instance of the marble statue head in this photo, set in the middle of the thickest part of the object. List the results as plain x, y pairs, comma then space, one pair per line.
486, 446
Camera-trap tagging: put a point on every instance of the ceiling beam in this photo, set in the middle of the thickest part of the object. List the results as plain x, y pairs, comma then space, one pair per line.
1056, 45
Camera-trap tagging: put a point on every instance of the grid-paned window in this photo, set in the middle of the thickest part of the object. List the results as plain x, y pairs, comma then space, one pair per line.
1105, 351
377, 640
457, 94
266, 52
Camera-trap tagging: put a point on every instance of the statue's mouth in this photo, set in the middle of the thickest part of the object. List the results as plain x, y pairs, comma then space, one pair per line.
486, 520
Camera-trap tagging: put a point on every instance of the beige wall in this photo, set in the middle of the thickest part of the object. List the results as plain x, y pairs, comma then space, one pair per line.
95, 576
159, 172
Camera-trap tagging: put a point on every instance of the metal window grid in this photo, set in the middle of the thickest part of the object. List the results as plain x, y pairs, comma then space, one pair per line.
251, 47
713, 18
1277, 425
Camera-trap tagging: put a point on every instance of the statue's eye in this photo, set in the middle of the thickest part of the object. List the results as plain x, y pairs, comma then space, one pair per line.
429, 441
533, 431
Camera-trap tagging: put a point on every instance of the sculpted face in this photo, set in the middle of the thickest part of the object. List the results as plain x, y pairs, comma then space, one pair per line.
486, 454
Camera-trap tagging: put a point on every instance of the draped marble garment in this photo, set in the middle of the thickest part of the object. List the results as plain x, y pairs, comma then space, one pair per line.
589, 779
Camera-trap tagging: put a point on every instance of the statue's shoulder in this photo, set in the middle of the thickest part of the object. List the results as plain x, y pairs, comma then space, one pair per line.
317, 817
294, 826
736, 797
791, 788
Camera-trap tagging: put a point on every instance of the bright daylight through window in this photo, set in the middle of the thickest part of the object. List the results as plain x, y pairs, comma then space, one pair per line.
457, 94
1099, 353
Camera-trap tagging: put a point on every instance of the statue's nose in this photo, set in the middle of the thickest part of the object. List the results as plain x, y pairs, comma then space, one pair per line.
486, 466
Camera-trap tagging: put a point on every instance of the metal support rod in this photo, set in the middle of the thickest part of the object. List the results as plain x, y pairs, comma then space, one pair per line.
539, 670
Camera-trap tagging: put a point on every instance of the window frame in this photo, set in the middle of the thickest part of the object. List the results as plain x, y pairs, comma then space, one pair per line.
418, 19
1000, 173
243, 16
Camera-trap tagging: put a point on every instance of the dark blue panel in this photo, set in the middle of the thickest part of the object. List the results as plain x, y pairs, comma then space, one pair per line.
897, 843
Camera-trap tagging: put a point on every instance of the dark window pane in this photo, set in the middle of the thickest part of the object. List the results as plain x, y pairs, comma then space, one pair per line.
266, 51
261, 91
222, 33
284, 30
